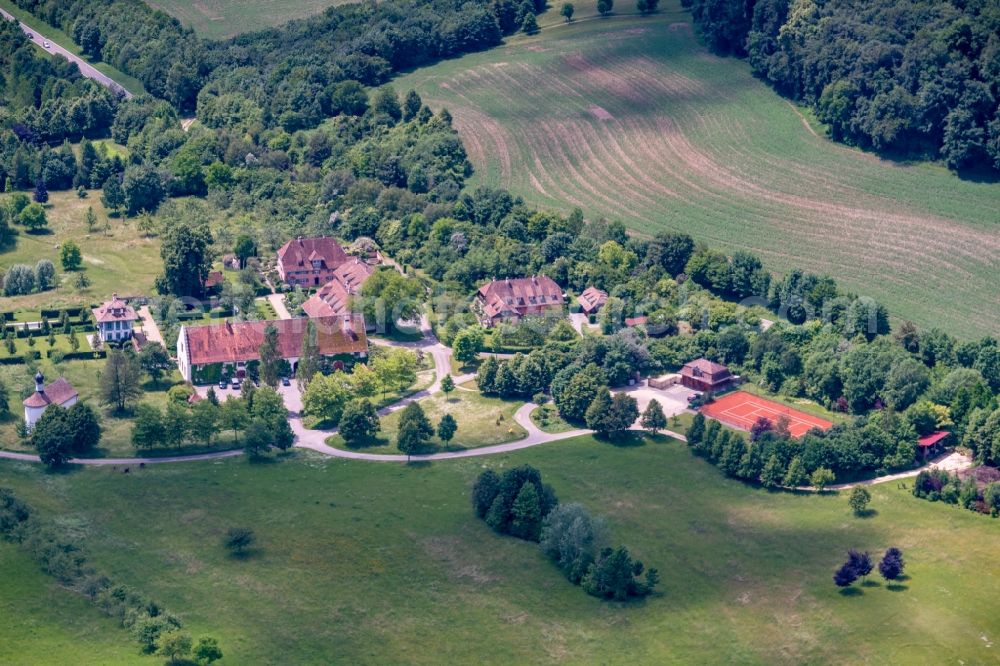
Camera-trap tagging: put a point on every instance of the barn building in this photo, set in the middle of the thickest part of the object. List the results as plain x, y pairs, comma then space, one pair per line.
205, 354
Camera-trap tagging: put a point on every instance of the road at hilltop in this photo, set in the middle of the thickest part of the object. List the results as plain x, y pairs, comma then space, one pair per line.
86, 68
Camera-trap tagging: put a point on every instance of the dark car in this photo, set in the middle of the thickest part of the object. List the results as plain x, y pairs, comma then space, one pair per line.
285, 381
223, 383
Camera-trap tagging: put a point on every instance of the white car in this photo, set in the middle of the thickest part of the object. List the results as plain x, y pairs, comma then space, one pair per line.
46, 44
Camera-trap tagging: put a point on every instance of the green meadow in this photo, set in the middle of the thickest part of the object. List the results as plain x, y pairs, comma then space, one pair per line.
360, 562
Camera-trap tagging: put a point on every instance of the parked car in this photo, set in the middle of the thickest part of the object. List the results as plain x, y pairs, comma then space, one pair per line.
236, 383
285, 381
223, 383
46, 44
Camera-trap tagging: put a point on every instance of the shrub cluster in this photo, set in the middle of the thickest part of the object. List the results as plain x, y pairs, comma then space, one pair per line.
939, 485
519, 504
61, 556
859, 565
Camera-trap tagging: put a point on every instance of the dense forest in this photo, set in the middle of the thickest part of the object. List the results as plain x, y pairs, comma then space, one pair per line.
914, 78
287, 75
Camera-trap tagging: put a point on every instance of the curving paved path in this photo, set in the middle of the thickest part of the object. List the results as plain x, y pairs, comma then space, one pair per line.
86, 68
315, 440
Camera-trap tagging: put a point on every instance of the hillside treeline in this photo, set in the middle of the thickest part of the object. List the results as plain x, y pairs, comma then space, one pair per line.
45, 101
287, 75
909, 77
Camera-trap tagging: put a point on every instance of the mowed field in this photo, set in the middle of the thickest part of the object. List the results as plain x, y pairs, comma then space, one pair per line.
371, 563
219, 19
118, 258
630, 118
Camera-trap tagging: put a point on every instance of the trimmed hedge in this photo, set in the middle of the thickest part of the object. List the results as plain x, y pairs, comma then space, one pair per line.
79, 355
19, 359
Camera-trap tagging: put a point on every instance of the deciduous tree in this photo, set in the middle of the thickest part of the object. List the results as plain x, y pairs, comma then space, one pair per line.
270, 358
653, 418
69, 256
359, 422
892, 565
414, 429
238, 540
120, 381
446, 428
859, 499
154, 361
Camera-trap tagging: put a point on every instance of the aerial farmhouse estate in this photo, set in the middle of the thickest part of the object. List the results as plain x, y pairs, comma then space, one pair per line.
513, 299
207, 353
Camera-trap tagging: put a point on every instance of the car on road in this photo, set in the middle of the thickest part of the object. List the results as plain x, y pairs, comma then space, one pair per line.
236, 383
223, 383
285, 381
46, 44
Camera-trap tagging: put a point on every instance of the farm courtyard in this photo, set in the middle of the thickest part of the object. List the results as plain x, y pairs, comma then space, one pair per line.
630, 118
379, 563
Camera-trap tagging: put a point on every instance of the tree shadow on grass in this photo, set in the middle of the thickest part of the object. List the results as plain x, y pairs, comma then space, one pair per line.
851, 592
628, 440
866, 513
367, 443
245, 554
871, 583
897, 587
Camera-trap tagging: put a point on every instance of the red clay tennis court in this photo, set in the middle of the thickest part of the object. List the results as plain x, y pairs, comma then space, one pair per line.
741, 409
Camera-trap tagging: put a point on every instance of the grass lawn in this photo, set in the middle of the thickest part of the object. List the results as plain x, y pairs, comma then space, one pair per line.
362, 562
219, 19
120, 260
265, 309
116, 438
482, 421
547, 418
631, 118
131, 84
43, 622
62, 343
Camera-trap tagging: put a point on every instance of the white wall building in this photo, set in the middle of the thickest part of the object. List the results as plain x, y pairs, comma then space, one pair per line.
114, 320
59, 392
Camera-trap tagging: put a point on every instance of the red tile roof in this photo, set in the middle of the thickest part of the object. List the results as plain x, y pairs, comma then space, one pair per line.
297, 253
234, 342
636, 321
519, 295
114, 310
930, 440
702, 367
57, 393
593, 299
214, 279
333, 297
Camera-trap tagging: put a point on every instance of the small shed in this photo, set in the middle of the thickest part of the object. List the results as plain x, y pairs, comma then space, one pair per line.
665, 381
932, 444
